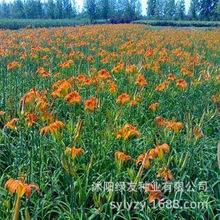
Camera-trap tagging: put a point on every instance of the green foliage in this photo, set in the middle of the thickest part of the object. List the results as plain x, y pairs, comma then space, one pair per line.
179, 23
193, 10
206, 9
216, 15
151, 5
180, 10
17, 9
15, 24
170, 9
91, 9
5, 10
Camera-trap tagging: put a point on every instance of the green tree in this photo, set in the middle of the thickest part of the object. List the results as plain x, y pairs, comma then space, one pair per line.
39, 9
17, 9
5, 10
207, 8
217, 11
170, 9
193, 10
159, 11
67, 9
33, 9
58, 12
138, 8
91, 9
151, 6
135, 7
181, 10
50, 9
112, 8
104, 9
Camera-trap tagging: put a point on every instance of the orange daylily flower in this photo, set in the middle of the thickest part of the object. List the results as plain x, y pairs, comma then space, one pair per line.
154, 193
149, 155
65, 64
131, 68
122, 156
91, 104
160, 149
2, 112
11, 124
20, 187
113, 88
43, 72
149, 52
12, 65
162, 86
104, 74
135, 101
141, 81
74, 152
124, 97
171, 77
73, 97
32, 95
52, 128
62, 88
117, 68
90, 58
160, 121
30, 118
198, 133
127, 131
216, 98
154, 106
187, 72
174, 126
181, 83
165, 174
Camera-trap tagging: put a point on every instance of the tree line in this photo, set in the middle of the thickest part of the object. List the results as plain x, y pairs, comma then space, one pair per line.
206, 10
116, 11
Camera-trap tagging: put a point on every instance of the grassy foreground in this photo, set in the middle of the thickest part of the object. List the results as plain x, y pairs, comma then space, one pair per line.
109, 122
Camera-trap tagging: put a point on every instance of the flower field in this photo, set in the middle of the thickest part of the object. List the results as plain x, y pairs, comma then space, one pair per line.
109, 122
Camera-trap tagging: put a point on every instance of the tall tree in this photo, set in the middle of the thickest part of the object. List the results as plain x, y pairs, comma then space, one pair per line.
170, 9
105, 9
151, 5
39, 9
67, 9
74, 9
217, 11
17, 9
138, 8
207, 8
50, 9
5, 10
159, 11
58, 12
33, 9
91, 9
112, 8
181, 10
193, 10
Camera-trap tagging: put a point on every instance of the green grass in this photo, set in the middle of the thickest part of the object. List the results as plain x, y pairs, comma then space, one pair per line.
15, 24
179, 23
